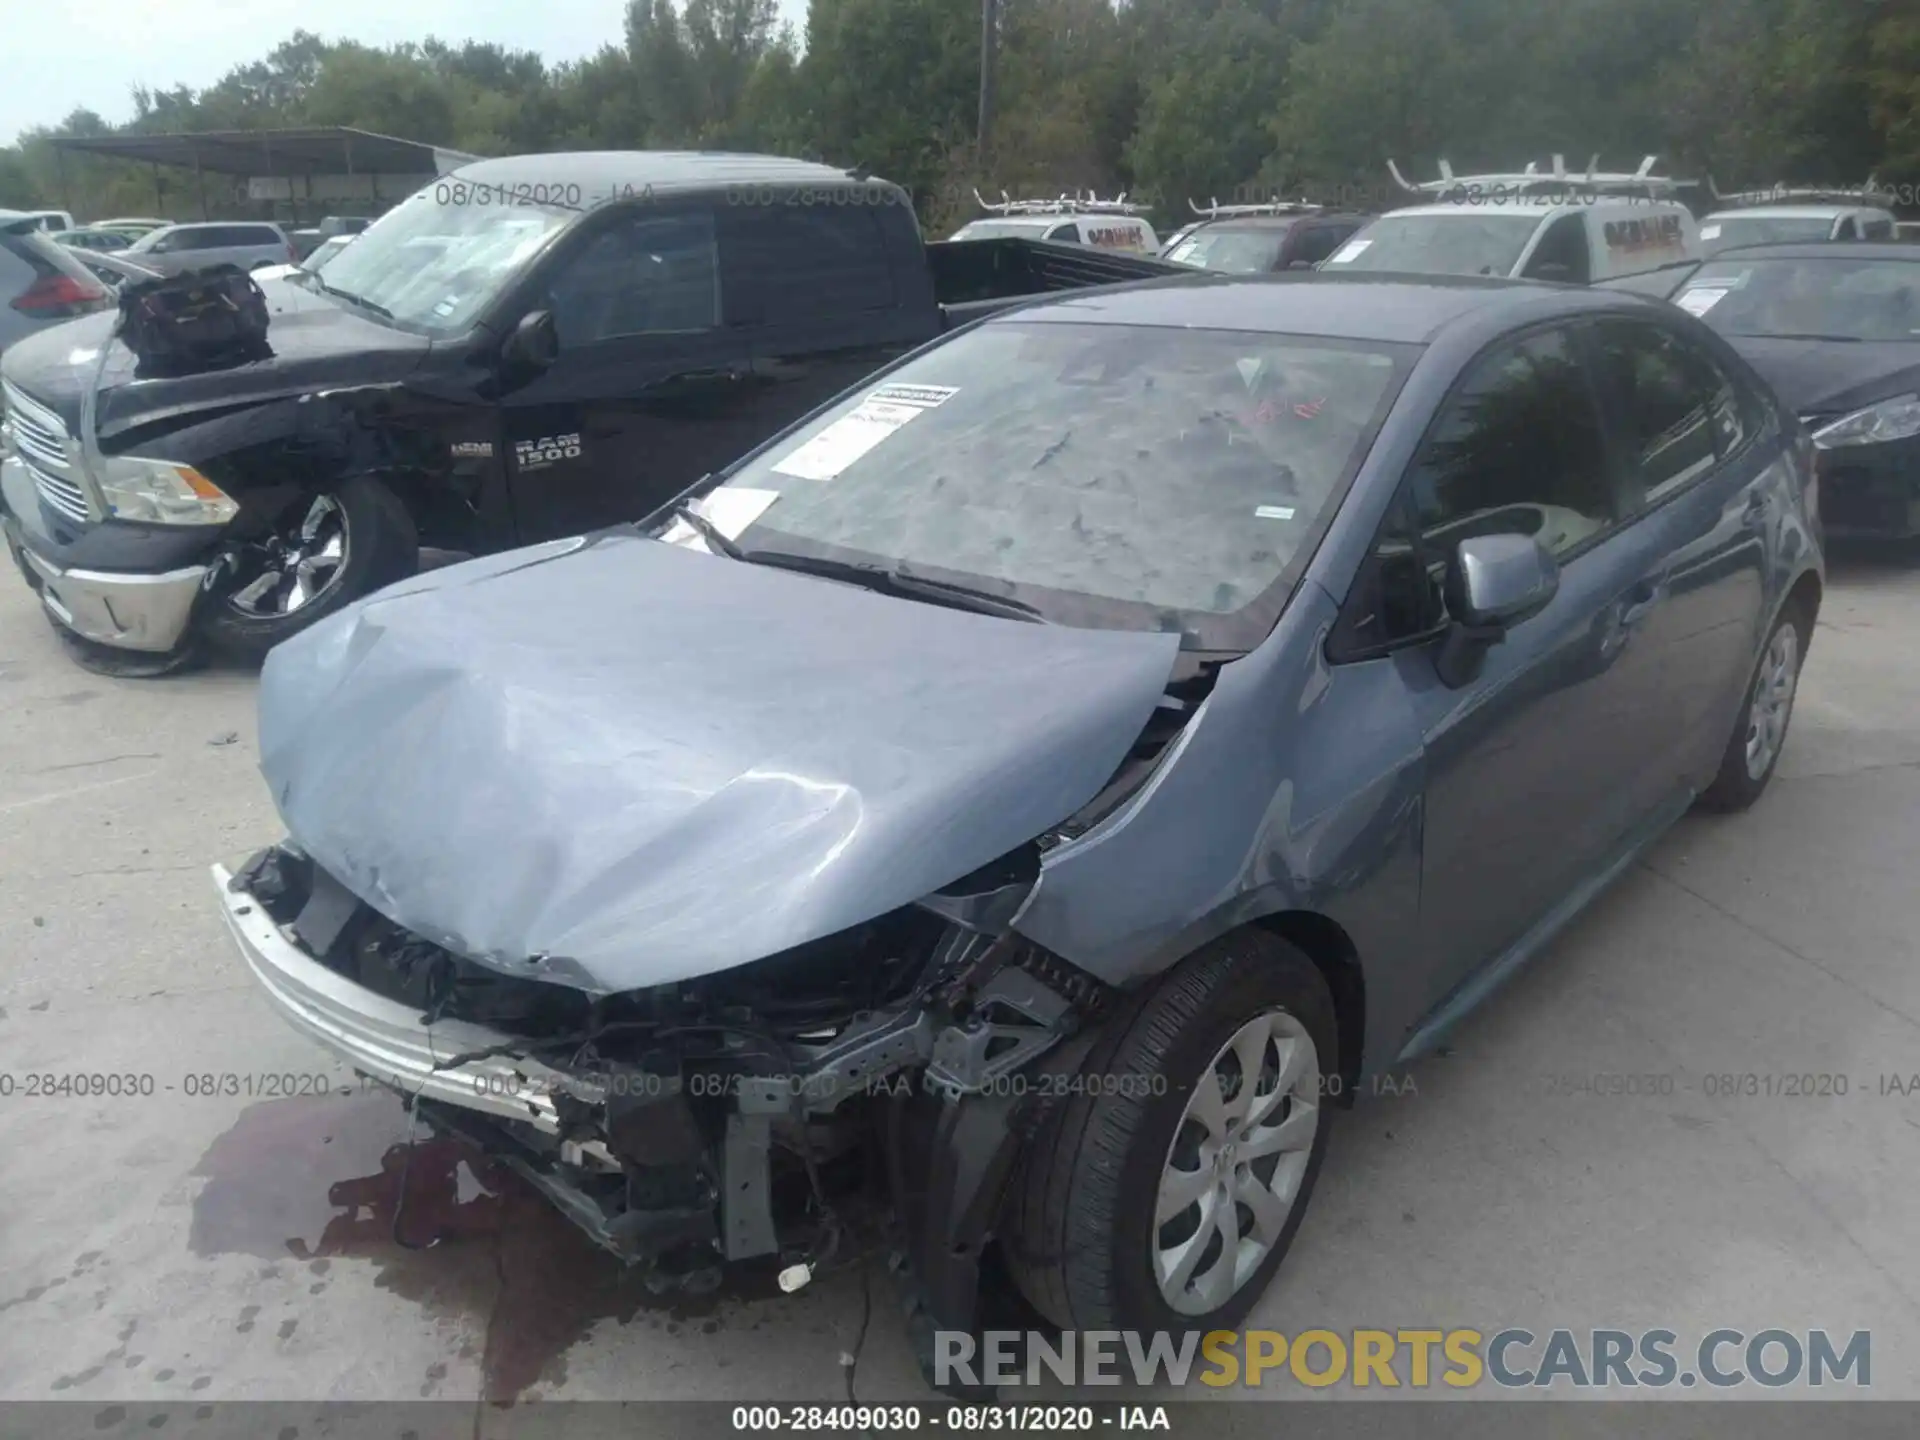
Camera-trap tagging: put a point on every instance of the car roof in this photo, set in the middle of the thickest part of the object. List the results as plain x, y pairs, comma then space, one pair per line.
1793, 212
1056, 216
214, 224
1539, 207
597, 170
1278, 222
1823, 250
1374, 306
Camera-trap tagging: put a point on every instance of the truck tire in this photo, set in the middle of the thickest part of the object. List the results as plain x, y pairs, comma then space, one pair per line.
1118, 1218
327, 550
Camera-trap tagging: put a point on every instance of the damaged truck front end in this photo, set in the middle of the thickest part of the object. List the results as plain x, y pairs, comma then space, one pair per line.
725, 1118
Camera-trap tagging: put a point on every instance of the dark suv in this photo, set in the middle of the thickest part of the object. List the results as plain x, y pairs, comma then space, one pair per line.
41, 281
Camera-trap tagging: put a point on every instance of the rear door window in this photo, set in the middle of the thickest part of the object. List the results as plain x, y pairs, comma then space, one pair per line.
807, 262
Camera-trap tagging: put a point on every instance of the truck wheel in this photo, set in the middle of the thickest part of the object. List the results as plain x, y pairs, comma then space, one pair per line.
325, 551
1166, 1192
124, 664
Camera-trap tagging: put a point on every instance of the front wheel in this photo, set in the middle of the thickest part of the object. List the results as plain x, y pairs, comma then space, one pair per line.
323, 552
1165, 1196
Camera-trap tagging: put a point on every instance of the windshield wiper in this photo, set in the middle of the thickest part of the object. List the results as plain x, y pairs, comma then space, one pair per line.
880, 577
966, 596
351, 298
715, 537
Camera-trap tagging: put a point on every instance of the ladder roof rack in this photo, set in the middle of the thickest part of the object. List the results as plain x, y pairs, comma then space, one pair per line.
1088, 204
1534, 180
1214, 210
1867, 194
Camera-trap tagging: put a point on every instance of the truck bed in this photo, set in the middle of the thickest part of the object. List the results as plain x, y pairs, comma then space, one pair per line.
972, 278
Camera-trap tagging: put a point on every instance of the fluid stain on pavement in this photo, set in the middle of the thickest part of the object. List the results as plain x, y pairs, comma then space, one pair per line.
320, 1177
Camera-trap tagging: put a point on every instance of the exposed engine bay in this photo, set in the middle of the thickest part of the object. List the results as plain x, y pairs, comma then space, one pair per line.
725, 1118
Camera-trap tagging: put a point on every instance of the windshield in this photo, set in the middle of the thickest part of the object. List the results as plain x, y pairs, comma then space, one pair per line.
434, 264
1245, 251
1837, 299
324, 252
1469, 243
1718, 235
1110, 476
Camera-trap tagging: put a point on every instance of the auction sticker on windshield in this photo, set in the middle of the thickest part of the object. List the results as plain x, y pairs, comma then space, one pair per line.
1698, 302
854, 434
1352, 250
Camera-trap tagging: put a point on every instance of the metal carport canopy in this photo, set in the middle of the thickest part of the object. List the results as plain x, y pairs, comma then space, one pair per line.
329, 149
313, 164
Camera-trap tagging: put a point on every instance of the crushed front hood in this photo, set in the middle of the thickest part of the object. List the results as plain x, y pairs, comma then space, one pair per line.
316, 344
628, 763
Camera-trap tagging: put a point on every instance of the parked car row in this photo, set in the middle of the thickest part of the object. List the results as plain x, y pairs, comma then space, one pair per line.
1057, 722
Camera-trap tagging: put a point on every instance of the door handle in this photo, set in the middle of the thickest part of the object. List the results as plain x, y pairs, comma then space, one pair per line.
1639, 602
1627, 613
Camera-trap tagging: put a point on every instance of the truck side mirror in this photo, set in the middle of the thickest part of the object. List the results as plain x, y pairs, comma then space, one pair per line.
1493, 583
532, 345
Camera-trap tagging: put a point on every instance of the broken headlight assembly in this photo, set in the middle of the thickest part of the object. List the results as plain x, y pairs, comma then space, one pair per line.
160, 492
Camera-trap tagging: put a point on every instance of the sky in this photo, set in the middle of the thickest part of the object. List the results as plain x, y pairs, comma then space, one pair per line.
106, 47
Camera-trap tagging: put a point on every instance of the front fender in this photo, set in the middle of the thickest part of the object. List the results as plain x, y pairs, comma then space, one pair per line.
1297, 787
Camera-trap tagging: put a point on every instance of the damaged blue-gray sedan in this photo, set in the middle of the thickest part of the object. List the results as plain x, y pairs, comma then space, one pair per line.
1048, 782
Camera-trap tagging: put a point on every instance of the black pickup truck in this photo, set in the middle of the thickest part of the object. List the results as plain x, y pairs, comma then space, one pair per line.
525, 349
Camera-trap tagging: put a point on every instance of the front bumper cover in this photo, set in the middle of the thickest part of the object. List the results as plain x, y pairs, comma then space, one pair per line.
128, 610
384, 1039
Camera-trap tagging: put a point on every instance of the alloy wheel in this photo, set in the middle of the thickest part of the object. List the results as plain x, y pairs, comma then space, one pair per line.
295, 566
1772, 700
1233, 1170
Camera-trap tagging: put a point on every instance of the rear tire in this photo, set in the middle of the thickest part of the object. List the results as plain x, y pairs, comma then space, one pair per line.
1760, 731
1096, 1231
327, 550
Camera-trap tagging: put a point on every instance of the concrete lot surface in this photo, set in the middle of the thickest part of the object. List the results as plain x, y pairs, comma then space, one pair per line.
174, 1247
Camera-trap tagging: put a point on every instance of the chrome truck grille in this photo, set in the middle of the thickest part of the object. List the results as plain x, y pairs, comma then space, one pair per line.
40, 439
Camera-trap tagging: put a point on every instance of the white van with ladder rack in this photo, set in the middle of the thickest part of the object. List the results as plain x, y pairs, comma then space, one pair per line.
1065, 220
1570, 226
1787, 215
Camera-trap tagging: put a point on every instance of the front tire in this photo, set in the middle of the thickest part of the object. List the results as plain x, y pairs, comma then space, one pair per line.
325, 551
1760, 732
1166, 1195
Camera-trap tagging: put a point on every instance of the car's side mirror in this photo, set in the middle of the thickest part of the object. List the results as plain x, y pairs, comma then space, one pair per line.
1493, 583
532, 345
